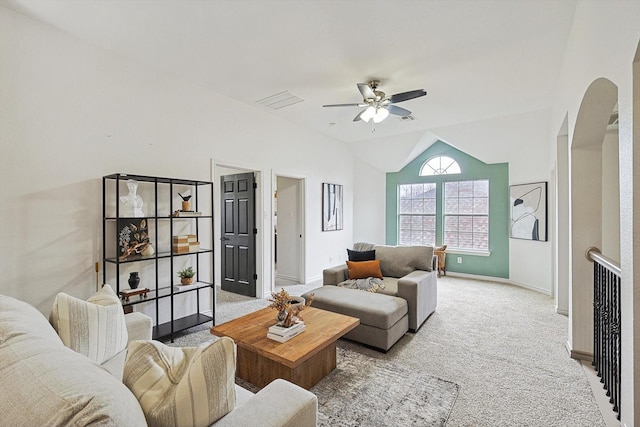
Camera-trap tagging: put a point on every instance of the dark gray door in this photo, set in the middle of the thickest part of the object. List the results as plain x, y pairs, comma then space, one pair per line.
238, 263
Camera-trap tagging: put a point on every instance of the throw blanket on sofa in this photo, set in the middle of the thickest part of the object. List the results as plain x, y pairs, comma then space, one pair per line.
370, 284
363, 246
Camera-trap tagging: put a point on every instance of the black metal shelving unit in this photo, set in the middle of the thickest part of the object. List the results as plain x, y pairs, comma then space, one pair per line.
163, 206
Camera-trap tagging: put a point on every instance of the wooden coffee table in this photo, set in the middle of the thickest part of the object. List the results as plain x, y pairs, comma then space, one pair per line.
303, 360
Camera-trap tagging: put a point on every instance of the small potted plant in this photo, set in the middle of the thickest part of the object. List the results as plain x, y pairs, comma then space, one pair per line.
186, 275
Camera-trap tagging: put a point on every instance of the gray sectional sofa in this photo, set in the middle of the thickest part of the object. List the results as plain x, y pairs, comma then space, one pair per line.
409, 296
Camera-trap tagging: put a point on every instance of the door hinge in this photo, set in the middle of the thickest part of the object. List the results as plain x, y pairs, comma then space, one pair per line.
255, 276
255, 231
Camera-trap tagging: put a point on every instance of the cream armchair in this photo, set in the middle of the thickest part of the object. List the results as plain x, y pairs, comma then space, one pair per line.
47, 383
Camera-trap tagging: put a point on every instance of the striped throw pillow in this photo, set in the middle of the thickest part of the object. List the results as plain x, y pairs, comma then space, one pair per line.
188, 386
95, 328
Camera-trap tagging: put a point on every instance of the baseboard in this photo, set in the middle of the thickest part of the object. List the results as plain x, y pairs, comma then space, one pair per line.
287, 277
307, 281
499, 280
313, 279
562, 311
578, 355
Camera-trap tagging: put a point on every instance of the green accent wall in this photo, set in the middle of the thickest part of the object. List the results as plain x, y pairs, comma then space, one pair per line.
494, 265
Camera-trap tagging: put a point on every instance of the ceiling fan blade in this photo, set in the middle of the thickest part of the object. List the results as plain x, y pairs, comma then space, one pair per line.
356, 104
398, 111
357, 118
366, 91
405, 96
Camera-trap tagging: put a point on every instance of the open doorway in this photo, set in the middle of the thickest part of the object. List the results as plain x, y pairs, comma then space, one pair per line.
288, 230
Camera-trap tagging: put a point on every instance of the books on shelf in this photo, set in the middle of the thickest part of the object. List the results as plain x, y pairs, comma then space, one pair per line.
282, 334
186, 214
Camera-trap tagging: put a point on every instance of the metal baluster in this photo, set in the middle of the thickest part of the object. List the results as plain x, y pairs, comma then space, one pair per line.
607, 336
603, 324
616, 336
607, 319
612, 355
596, 317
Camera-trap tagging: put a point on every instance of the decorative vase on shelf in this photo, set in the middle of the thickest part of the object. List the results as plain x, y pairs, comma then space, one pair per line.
186, 280
134, 279
148, 251
186, 206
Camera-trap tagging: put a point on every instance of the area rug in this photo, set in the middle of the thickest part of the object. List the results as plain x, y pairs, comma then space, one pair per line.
363, 391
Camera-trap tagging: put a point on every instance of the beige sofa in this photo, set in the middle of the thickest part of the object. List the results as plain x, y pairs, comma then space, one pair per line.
45, 383
409, 276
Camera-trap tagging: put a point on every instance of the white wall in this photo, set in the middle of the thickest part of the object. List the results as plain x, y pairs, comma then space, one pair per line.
369, 204
603, 43
72, 113
562, 236
610, 197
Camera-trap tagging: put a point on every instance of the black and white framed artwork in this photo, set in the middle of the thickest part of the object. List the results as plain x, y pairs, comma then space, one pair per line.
528, 211
331, 207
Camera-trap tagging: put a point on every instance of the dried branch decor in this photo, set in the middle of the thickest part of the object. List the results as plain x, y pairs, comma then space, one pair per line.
282, 301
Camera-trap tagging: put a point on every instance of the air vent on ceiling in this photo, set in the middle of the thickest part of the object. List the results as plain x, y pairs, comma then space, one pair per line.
280, 100
409, 117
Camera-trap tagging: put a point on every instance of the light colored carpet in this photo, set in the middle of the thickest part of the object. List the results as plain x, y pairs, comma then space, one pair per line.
503, 345
364, 391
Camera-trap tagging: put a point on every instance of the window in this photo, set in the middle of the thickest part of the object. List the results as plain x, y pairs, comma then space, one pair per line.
441, 165
417, 214
466, 214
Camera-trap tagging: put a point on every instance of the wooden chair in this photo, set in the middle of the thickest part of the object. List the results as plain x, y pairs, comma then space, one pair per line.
439, 251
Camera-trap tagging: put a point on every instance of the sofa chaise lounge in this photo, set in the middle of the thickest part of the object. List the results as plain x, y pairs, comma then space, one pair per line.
408, 298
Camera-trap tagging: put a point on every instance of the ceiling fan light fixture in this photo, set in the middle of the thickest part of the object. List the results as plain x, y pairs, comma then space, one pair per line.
378, 105
380, 115
368, 114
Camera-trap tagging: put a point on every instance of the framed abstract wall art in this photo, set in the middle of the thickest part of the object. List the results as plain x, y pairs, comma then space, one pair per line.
528, 211
331, 207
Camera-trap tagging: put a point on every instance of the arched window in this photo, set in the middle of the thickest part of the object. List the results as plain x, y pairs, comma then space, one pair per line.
462, 220
440, 165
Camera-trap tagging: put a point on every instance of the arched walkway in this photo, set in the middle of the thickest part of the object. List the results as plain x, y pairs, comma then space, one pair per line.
587, 184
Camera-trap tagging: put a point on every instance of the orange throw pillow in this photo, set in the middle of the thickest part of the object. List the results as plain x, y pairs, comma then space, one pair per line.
364, 269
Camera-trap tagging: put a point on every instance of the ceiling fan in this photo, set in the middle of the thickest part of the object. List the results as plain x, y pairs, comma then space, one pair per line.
379, 105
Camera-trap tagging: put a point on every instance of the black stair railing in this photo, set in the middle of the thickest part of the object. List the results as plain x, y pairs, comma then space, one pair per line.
606, 324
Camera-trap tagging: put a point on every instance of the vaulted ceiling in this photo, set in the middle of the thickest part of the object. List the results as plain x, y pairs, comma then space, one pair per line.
477, 59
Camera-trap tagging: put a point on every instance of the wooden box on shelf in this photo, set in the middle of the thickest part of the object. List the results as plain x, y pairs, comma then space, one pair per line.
125, 294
